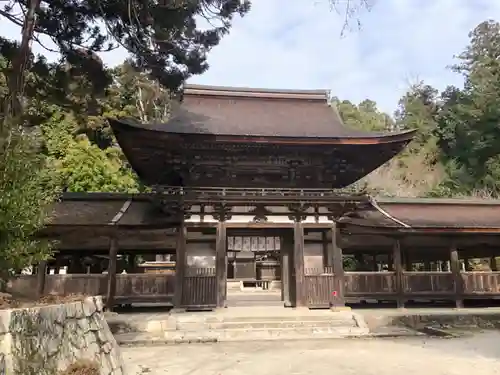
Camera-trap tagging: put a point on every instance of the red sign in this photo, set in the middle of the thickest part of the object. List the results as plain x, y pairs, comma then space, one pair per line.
334, 293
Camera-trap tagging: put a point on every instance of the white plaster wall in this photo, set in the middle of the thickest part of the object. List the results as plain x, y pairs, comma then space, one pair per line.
249, 219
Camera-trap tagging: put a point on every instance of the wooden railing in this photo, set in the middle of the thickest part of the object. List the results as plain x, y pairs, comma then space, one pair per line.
23, 285
145, 287
478, 283
199, 289
87, 284
429, 283
200, 286
130, 288
369, 283
320, 283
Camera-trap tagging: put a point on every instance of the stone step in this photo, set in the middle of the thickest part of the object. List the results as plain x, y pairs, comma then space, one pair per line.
285, 322
247, 303
326, 316
211, 336
253, 334
251, 325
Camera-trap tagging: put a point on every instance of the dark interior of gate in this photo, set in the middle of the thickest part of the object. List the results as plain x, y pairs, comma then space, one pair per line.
245, 210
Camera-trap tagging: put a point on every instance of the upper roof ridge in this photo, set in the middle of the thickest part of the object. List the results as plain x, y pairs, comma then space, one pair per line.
246, 92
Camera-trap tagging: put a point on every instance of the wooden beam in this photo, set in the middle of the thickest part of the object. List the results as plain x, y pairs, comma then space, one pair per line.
113, 252
338, 267
457, 276
221, 264
398, 269
40, 279
298, 262
180, 264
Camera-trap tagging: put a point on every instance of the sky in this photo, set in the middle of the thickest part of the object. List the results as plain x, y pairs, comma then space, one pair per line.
299, 44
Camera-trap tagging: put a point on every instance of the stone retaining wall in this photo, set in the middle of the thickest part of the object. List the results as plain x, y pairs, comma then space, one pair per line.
47, 339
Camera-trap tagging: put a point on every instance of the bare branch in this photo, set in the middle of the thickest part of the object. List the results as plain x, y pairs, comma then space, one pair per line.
350, 9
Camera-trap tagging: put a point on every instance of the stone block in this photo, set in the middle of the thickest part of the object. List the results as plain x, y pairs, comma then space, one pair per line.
83, 325
99, 304
89, 306
50, 338
60, 314
96, 322
5, 321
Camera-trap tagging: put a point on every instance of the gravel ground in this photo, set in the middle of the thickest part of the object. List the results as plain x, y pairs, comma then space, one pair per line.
477, 355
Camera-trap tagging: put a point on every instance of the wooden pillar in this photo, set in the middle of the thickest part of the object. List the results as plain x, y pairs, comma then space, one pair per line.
390, 261
221, 264
180, 264
324, 244
427, 265
286, 249
493, 264
298, 263
398, 269
457, 276
58, 265
338, 267
408, 261
374, 263
131, 259
113, 253
467, 263
40, 278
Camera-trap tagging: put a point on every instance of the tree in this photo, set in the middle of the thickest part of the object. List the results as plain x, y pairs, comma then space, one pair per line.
468, 132
364, 116
27, 189
163, 37
81, 166
349, 10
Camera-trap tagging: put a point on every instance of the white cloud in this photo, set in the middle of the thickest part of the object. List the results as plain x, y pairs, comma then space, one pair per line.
298, 44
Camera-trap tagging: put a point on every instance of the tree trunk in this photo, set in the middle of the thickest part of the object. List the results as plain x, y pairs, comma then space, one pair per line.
16, 78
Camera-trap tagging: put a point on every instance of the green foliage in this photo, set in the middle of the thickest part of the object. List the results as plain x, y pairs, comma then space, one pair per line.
364, 116
27, 189
468, 131
80, 165
87, 168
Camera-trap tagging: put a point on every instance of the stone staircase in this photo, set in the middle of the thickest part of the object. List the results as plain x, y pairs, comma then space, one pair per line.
248, 324
248, 297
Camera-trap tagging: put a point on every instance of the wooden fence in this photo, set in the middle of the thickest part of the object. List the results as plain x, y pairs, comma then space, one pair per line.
428, 283
199, 289
476, 284
320, 283
130, 288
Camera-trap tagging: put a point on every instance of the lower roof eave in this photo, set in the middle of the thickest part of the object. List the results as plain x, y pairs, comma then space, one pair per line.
386, 230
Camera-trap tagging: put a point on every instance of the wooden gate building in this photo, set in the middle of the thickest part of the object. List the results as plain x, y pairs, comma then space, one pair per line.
245, 188
230, 153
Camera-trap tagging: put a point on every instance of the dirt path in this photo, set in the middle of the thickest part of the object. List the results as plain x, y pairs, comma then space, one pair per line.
474, 355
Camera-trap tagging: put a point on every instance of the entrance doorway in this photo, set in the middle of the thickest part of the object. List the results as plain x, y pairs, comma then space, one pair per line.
254, 269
